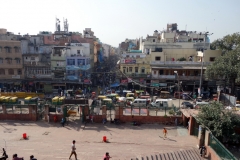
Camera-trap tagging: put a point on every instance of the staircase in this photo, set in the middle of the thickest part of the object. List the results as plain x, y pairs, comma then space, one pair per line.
188, 154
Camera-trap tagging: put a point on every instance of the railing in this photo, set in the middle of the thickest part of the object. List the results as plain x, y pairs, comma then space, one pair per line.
222, 152
137, 75
174, 77
178, 62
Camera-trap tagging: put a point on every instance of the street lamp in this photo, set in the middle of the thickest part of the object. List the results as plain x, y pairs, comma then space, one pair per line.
200, 85
178, 87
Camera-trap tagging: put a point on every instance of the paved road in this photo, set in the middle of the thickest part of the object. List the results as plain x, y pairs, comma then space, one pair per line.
50, 141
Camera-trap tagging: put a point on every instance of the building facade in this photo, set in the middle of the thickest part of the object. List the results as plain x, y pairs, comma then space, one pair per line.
11, 71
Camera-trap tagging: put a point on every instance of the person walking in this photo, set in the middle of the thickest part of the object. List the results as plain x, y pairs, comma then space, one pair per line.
73, 150
106, 156
164, 133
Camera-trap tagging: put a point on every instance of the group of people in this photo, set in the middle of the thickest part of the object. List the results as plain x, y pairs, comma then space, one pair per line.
73, 152
15, 157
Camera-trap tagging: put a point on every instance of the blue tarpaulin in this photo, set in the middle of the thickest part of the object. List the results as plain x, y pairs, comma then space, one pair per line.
114, 85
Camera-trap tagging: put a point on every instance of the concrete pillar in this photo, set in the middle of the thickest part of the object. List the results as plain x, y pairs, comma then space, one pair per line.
184, 118
4, 109
104, 112
191, 125
46, 116
207, 137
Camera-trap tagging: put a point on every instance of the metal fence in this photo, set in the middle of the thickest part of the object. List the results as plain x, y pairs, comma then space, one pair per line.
222, 152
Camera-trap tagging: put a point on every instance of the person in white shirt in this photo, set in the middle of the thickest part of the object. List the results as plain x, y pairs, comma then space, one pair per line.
73, 150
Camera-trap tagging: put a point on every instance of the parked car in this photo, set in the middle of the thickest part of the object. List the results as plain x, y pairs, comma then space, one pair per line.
186, 104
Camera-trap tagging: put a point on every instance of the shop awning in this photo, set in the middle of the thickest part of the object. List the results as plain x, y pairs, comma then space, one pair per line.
155, 85
179, 67
63, 84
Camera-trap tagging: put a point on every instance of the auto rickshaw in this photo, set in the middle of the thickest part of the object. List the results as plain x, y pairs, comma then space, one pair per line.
13, 100
60, 100
130, 95
27, 99
138, 93
164, 94
108, 103
125, 92
55, 100
112, 96
1, 98
129, 100
101, 97
6, 99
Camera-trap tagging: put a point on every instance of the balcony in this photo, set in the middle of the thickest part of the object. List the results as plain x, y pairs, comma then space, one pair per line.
74, 68
137, 75
178, 63
173, 77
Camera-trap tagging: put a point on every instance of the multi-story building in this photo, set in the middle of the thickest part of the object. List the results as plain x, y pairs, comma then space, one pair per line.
135, 67
11, 69
179, 51
169, 52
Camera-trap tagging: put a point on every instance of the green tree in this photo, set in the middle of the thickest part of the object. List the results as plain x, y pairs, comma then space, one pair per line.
226, 67
227, 43
220, 121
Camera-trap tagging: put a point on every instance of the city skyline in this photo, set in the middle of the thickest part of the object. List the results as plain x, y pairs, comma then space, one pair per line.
114, 21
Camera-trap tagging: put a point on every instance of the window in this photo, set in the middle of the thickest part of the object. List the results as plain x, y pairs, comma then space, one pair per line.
1, 61
137, 56
0, 49
143, 70
33, 58
136, 69
26, 57
19, 72
16, 49
10, 72
160, 72
8, 49
153, 40
78, 52
127, 56
124, 69
71, 62
18, 61
9, 60
154, 72
211, 59
130, 69
2, 72
81, 62
157, 58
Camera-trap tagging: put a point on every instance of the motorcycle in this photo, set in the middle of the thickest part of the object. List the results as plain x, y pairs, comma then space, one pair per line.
4, 155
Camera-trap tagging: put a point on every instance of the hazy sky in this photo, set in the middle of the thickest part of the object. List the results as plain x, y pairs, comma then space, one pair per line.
115, 20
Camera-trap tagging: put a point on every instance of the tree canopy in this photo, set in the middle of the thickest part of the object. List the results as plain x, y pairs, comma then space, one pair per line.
227, 43
226, 67
220, 121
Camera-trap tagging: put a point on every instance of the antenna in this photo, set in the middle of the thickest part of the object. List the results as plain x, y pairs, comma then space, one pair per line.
58, 28
186, 27
65, 24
